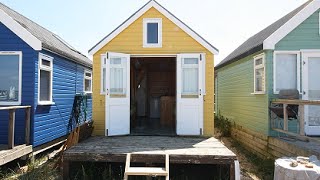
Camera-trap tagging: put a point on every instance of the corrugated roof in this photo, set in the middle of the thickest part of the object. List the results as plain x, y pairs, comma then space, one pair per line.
255, 43
50, 41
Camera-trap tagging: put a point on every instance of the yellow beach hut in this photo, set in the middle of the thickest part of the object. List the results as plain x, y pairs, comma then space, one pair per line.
153, 75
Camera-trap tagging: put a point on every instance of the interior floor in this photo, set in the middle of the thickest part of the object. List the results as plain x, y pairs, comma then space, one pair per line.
153, 95
151, 127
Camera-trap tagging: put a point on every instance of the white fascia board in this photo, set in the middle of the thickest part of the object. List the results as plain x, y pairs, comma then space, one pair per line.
20, 31
289, 26
165, 13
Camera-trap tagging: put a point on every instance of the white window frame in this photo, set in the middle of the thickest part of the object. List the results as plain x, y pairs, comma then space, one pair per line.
119, 66
255, 67
103, 66
298, 69
20, 77
145, 31
87, 78
49, 69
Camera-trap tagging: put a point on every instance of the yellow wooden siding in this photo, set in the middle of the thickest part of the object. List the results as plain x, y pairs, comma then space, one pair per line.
174, 41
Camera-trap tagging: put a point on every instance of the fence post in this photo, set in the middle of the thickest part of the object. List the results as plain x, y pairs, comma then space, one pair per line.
285, 117
27, 125
12, 117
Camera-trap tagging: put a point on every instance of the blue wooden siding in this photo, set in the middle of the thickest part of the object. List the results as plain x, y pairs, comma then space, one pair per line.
51, 121
11, 42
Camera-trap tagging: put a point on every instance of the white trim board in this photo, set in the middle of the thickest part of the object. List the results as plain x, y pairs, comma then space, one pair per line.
290, 25
167, 14
20, 31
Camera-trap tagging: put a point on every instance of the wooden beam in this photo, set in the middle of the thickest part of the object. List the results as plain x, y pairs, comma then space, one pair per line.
27, 125
12, 116
65, 170
301, 120
167, 166
295, 101
14, 107
285, 117
232, 171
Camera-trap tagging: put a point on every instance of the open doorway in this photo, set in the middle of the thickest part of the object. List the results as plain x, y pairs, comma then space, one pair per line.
153, 95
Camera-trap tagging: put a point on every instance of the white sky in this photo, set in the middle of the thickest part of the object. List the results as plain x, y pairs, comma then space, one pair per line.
224, 23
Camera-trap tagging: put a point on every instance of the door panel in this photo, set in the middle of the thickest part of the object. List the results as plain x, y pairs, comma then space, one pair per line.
189, 94
117, 94
311, 88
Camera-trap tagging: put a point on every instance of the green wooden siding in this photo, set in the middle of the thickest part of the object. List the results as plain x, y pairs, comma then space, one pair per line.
305, 36
235, 99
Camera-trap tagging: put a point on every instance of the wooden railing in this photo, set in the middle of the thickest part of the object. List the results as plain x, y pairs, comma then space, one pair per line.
301, 115
12, 117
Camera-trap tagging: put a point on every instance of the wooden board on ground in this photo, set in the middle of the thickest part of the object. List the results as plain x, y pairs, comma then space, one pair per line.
7, 155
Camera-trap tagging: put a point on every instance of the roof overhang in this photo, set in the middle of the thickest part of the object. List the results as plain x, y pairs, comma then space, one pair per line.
166, 13
20, 31
289, 26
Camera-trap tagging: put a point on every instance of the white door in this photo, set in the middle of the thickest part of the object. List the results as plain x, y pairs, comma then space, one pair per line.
117, 94
189, 94
311, 91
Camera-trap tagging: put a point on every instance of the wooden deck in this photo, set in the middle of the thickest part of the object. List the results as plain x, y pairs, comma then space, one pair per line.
8, 155
150, 149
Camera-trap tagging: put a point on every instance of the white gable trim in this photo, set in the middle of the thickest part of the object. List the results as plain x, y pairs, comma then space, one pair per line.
289, 26
20, 31
165, 13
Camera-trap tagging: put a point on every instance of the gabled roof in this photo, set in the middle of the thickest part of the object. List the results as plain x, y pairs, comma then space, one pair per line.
165, 12
38, 37
268, 37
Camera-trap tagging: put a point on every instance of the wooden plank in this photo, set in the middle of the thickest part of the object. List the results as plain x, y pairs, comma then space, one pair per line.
146, 171
302, 138
27, 125
14, 107
8, 155
12, 116
295, 101
301, 120
285, 117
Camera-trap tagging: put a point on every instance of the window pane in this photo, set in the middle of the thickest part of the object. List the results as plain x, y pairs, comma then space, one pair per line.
104, 80
258, 61
259, 79
115, 61
9, 78
46, 63
191, 61
190, 80
87, 85
286, 71
117, 79
152, 33
88, 75
45, 85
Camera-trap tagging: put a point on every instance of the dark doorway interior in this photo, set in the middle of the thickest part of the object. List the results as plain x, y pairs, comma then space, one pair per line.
153, 96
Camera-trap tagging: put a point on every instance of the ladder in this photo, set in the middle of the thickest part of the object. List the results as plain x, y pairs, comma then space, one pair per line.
146, 171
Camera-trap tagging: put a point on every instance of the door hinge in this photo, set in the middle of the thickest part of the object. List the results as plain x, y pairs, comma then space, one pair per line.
200, 131
304, 63
304, 93
107, 55
200, 57
107, 133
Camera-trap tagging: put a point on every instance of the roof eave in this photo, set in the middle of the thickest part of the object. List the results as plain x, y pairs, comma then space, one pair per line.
20, 31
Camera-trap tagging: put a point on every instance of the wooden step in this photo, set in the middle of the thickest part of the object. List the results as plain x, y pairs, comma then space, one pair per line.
146, 171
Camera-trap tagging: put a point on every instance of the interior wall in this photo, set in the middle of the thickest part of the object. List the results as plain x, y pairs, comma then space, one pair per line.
152, 79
